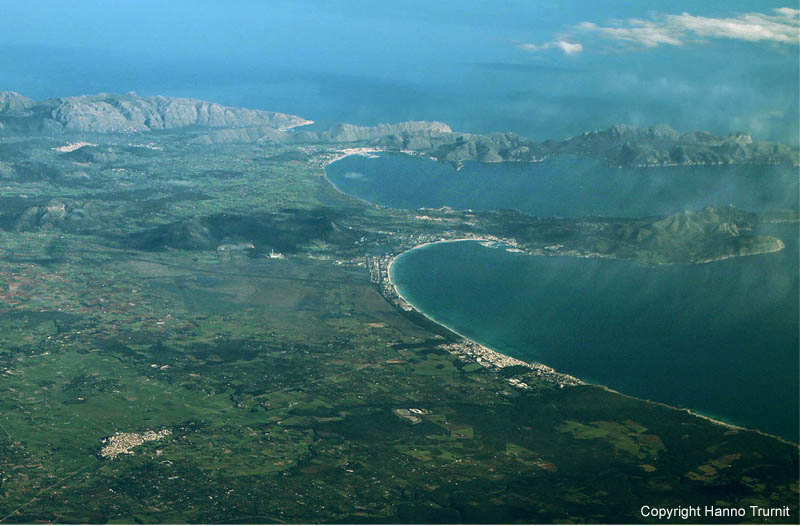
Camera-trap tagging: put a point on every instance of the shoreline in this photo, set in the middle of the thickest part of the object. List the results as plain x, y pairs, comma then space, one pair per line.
347, 152
338, 156
537, 365
471, 349
478, 352
370, 152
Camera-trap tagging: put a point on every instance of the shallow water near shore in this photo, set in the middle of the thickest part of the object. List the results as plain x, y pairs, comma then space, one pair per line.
718, 338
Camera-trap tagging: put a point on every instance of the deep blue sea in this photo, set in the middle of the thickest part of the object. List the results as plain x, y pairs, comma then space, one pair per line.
501, 66
367, 62
719, 338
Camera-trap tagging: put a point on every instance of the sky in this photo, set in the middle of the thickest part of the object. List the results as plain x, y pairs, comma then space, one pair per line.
545, 69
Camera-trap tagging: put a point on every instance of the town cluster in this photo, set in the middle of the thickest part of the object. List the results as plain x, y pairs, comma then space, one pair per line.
122, 443
380, 274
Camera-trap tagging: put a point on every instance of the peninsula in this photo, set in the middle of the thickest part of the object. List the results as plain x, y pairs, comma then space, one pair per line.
179, 280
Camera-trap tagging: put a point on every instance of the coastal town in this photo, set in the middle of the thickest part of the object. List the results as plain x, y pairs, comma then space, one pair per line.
464, 348
380, 266
472, 351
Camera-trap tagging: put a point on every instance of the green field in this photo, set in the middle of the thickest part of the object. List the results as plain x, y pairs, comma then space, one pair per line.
287, 383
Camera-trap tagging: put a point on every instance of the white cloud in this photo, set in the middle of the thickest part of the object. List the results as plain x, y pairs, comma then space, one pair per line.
788, 12
643, 32
570, 48
752, 27
782, 26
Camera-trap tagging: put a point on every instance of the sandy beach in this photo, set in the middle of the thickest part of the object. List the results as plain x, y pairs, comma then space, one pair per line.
496, 359
482, 354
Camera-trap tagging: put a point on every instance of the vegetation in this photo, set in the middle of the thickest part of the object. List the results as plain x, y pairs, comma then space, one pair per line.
142, 290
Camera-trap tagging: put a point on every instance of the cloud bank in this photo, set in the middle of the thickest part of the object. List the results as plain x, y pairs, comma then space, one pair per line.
780, 26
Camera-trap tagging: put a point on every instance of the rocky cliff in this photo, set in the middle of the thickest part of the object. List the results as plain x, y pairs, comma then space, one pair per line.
106, 113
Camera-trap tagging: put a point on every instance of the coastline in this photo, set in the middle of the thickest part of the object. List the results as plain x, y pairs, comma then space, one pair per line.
485, 356
573, 381
338, 155
469, 348
347, 152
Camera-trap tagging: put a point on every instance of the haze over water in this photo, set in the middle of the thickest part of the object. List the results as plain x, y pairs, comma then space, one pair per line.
483, 66
545, 69
564, 186
720, 338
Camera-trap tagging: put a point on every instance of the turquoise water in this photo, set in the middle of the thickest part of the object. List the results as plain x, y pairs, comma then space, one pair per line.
719, 338
467, 66
563, 186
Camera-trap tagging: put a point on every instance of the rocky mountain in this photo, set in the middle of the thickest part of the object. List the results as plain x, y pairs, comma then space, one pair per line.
434, 139
245, 136
619, 145
12, 102
285, 231
65, 215
91, 154
661, 146
351, 133
339, 134
130, 113
459, 147
107, 113
687, 236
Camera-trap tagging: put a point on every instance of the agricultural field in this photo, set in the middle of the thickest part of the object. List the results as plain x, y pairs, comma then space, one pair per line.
214, 305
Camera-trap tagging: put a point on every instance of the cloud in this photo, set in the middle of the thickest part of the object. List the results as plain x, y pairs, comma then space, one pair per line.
570, 48
642, 32
782, 26
788, 12
753, 27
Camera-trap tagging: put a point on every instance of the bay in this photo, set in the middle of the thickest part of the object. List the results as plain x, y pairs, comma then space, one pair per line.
719, 338
563, 186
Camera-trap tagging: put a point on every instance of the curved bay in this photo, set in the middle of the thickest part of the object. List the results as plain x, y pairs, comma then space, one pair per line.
563, 186
719, 338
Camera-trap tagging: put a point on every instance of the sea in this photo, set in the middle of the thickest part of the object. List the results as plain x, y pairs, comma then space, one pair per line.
475, 66
719, 338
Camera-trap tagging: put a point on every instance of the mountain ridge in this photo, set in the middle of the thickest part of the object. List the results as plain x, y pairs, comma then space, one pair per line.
107, 113
211, 123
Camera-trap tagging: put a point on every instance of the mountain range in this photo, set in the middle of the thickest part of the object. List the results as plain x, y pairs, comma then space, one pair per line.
210, 124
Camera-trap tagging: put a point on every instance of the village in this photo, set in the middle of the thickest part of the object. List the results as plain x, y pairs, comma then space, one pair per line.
464, 348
